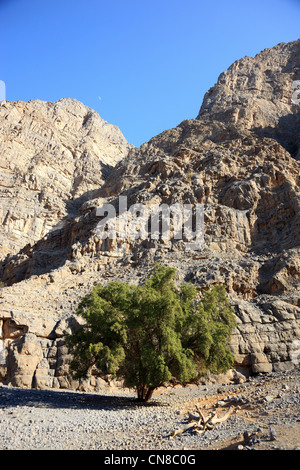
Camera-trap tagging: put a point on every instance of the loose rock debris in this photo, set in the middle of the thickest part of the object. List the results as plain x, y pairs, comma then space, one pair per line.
63, 420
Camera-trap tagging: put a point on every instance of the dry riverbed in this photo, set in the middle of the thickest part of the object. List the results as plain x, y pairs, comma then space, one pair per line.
264, 416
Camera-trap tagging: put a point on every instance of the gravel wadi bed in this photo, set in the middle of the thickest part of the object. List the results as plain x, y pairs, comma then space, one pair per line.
266, 416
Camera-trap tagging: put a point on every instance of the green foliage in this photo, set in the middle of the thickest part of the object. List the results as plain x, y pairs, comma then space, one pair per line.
152, 333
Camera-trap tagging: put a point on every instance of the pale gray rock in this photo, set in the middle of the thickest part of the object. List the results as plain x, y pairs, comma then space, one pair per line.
51, 156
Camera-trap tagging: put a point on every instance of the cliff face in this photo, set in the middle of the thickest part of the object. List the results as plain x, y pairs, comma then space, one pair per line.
256, 93
239, 159
51, 155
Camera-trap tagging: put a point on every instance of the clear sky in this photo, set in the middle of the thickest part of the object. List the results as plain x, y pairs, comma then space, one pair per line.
143, 65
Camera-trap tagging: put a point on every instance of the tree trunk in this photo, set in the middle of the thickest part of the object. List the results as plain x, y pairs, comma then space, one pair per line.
144, 393
149, 394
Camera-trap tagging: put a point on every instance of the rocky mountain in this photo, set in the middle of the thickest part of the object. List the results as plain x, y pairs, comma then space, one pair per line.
239, 160
51, 155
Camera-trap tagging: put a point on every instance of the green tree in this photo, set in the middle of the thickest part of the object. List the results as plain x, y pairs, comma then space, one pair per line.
151, 333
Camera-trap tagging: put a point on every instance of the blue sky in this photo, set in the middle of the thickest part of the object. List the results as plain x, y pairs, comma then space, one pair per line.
142, 65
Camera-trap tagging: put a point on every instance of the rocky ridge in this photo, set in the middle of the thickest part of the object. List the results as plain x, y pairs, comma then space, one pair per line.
239, 159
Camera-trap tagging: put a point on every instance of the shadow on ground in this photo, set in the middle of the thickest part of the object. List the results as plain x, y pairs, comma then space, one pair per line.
12, 397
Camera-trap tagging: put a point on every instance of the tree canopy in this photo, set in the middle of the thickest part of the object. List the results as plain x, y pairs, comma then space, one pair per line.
152, 333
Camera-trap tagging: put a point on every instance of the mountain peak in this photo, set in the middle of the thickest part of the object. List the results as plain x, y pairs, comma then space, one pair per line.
256, 93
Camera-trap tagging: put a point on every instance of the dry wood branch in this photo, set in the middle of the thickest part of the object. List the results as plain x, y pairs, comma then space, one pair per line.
180, 431
201, 414
216, 420
200, 423
209, 419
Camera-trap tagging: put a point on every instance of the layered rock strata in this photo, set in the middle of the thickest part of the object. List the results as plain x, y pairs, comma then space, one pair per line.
52, 157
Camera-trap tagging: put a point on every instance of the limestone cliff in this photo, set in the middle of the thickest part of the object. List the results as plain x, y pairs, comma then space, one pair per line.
256, 93
51, 155
240, 159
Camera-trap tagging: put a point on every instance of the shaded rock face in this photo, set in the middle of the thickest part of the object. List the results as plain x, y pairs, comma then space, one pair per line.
235, 159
